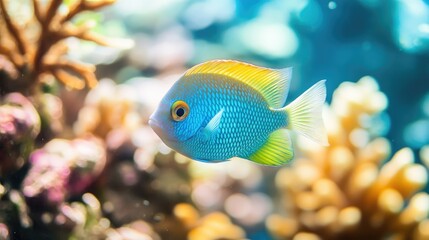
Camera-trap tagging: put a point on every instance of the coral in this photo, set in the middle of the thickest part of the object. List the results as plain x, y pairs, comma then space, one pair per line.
345, 191
61, 169
19, 119
33, 48
215, 225
19, 126
103, 113
33, 53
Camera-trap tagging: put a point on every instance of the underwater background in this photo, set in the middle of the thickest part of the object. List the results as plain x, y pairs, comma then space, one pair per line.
79, 79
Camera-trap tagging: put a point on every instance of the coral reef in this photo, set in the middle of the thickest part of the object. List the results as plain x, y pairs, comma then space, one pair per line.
350, 190
85, 164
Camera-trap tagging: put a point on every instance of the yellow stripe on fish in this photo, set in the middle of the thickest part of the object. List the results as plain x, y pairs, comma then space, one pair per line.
273, 84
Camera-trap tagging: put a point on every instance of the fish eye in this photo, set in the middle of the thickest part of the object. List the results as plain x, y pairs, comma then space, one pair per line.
179, 111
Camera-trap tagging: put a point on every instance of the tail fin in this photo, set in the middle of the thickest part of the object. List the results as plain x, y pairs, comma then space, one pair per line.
305, 113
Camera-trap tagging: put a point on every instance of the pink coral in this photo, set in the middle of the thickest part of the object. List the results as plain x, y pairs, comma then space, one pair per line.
62, 168
19, 119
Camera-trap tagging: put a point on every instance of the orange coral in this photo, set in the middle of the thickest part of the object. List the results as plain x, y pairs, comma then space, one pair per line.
36, 48
215, 225
344, 191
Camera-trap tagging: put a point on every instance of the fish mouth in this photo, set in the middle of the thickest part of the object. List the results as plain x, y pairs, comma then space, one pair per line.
156, 126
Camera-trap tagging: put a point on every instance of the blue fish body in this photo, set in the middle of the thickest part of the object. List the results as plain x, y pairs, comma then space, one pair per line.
246, 122
214, 112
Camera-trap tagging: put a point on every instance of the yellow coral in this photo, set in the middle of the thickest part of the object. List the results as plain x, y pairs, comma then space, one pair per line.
103, 113
215, 225
344, 191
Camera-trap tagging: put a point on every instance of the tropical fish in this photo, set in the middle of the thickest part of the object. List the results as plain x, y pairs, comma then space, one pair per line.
222, 109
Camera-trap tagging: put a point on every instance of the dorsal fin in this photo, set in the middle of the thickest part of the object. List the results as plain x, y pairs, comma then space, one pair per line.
273, 84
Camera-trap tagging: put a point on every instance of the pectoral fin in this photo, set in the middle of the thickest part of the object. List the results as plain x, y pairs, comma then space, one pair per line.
212, 127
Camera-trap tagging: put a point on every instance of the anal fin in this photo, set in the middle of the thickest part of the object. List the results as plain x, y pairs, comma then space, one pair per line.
277, 150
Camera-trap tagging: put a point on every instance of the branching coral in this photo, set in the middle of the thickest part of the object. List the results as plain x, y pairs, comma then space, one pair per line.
36, 48
344, 191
